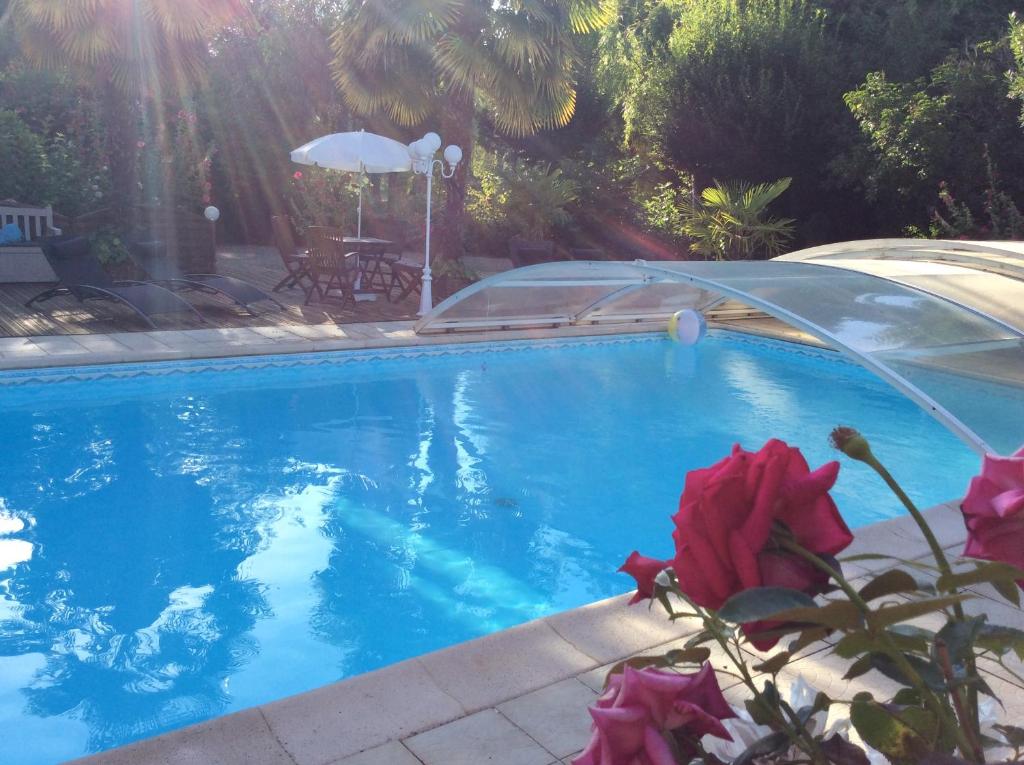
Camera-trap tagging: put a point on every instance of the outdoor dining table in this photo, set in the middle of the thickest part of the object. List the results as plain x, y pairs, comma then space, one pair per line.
373, 249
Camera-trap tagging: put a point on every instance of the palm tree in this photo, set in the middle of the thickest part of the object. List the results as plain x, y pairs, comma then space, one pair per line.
424, 60
729, 223
134, 52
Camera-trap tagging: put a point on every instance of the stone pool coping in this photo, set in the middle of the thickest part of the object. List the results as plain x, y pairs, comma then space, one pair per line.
169, 345
518, 696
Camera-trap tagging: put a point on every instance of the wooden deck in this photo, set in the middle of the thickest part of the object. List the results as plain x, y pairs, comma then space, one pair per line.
258, 265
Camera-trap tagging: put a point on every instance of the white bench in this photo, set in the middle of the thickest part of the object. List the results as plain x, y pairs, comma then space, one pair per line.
34, 222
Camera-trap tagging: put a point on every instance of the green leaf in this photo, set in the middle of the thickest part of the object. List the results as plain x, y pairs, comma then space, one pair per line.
999, 639
704, 636
907, 697
889, 583
982, 572
1009, 590
905, 736
1014, 736
809, 637
928, 671
959, 637
760, 603
857, 643
774, 664
836, 615
901, 612
858, 668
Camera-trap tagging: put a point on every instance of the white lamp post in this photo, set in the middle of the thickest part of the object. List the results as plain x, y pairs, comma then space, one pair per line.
423, 163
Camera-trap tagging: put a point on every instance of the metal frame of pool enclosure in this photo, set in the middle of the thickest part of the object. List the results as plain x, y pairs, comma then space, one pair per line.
914, 312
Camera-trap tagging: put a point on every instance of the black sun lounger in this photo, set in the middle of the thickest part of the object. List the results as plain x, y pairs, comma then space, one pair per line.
80, 274
152, 258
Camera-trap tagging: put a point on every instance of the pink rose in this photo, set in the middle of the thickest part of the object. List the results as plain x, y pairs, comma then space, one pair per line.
644, 570
994, 511
297, 175
640, 706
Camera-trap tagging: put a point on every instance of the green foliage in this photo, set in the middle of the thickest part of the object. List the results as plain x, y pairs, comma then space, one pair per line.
1000, 219
108, 246
24, 161
727, 89
663, 210
939, 128
514, 198
319, 197
729, 222
1016, 75
397, 57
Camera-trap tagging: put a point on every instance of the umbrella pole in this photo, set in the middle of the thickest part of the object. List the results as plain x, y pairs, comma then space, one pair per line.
359, 218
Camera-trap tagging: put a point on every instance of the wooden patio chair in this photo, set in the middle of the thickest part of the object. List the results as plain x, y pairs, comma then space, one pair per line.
332, 270
293, 257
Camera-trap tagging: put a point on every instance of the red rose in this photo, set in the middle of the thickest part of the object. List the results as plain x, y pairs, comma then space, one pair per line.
724, 527
644, 570
994, 511
640, 706
727, 512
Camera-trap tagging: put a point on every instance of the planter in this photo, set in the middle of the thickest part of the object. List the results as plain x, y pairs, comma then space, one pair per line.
24, 264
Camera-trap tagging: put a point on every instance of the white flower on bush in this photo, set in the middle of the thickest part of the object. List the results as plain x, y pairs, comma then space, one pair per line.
746, 732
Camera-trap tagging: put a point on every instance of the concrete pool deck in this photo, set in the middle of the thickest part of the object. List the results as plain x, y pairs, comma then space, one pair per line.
518, 697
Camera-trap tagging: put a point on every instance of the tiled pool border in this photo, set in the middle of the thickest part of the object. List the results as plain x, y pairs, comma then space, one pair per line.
150, 369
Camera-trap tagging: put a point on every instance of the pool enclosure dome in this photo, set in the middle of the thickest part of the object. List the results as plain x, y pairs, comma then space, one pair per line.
942, 321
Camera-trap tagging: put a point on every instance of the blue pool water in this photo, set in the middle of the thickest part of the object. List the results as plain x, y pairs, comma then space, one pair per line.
181, 545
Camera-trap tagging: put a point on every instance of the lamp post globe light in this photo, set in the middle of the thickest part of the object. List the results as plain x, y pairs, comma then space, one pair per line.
423, 163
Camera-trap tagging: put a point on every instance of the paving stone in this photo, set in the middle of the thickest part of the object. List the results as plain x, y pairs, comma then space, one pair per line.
345, 718
486, 736
505, 665
318, 331
556, 717
239, 739
59, 345
280, 334
18, 345
143, 343
392, 753
102, 344
610, 629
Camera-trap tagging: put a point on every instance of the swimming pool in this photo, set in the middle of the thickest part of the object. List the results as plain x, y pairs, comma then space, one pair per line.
178, 541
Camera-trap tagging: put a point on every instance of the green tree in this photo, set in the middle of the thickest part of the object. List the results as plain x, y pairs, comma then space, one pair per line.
945, 127
24, 161
1016, 75
731, 89
730, 221
133, 52
421, 61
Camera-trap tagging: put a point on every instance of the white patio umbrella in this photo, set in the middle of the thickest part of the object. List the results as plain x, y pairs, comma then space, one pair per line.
356, 152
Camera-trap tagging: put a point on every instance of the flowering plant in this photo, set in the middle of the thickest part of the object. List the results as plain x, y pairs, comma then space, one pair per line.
757, 537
